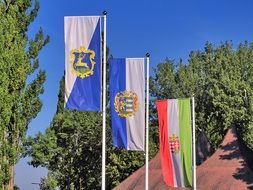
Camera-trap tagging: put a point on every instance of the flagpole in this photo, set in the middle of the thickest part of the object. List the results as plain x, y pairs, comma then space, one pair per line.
147, 122
194, 185
104, 106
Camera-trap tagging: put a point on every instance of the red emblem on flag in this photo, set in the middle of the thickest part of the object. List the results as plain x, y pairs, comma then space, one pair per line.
174, 143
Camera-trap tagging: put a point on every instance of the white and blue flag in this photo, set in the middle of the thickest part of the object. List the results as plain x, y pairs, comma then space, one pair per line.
127, 99
82, 63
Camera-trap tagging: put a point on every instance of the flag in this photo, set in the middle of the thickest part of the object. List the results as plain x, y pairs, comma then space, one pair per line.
127, 99
174, 118
82, 63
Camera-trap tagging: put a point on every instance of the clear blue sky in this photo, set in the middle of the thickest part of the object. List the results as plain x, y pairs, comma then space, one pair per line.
162, 27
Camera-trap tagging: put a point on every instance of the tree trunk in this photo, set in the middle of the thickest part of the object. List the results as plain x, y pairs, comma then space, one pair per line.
11, 182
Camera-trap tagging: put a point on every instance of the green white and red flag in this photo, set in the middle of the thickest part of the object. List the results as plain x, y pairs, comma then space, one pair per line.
174, 116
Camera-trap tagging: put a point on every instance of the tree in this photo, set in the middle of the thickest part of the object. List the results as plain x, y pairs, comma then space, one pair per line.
16, 187
71, 150
48, 183
19, 101
221, 81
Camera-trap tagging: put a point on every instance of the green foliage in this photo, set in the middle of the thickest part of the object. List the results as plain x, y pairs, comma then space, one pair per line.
16, 187
19, 101
71, 149
119, 160
221, 81
49, 182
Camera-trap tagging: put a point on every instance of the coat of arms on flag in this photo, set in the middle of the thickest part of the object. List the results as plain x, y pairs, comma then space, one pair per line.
82, 61
174, 143
126, 103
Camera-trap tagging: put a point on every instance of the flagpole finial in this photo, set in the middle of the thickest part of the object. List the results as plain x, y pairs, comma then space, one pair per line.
104, 13
147, 55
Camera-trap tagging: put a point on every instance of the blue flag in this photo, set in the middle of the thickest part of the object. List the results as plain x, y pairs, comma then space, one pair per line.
127, 99
82, 63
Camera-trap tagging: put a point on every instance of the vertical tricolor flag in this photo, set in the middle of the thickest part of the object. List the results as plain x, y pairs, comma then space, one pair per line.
127, 99
82, 62
174, 118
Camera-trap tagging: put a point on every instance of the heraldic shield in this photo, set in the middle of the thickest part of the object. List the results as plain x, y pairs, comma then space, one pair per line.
126, 103
82, 61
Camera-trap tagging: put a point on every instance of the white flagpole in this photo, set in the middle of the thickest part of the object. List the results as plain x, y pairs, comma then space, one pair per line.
147, 122
194, 185
104, 107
